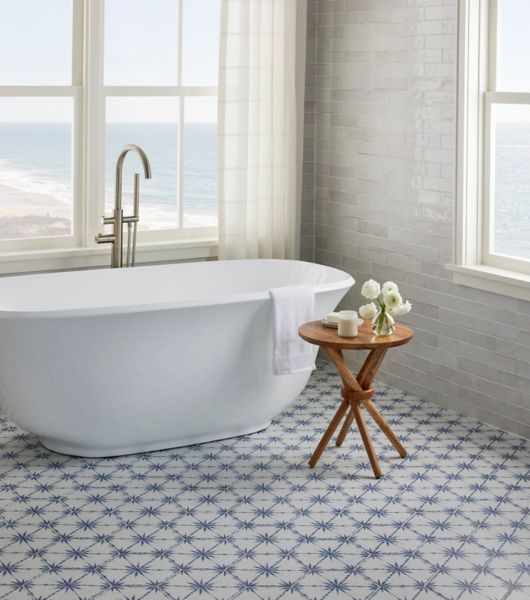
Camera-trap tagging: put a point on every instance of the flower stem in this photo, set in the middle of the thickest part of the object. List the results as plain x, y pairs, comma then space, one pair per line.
381, 319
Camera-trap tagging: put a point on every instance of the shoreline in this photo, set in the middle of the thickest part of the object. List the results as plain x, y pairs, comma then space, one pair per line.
31, 214
17, 202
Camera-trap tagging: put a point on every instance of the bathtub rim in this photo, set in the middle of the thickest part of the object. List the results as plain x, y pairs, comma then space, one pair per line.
346, 281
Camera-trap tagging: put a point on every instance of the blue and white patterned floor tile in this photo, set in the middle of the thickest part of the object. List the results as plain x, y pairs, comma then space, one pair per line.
246, 518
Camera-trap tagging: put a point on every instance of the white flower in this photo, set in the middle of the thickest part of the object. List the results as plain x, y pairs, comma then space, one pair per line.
390, 287
402, 309
368, 311
392, 300
371, 289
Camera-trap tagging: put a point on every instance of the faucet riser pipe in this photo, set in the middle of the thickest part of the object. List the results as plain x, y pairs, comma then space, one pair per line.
118, 220
136, 216
117, 249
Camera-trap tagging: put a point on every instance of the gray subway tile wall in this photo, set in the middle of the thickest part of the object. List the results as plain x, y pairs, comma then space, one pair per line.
379, 180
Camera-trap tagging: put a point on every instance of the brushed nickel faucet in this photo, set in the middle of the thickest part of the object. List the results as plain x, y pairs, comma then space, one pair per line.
118, 220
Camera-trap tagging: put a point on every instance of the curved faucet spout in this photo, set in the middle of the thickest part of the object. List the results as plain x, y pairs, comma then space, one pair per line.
119, 168
143, 157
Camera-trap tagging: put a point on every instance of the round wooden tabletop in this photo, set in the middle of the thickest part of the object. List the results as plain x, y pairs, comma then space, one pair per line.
315, 333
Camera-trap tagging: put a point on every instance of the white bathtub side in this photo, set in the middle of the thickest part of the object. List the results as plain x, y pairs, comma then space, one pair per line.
113, 384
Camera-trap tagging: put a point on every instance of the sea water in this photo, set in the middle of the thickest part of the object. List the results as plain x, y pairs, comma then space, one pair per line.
511, 213
36, 158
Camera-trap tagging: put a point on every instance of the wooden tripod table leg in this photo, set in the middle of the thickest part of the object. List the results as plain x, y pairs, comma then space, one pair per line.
329, 432
345, 428
370, 366
366, 439
385, 427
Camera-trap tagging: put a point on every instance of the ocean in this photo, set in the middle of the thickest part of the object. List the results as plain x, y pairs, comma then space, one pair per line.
512, 190
36, 166
36, 159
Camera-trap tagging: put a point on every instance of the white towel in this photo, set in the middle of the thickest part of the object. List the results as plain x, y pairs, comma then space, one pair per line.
292, 306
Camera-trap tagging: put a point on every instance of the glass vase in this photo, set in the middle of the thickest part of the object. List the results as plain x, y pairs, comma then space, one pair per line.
383, 323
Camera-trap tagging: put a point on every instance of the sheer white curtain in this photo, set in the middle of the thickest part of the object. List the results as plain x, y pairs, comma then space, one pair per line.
261, 107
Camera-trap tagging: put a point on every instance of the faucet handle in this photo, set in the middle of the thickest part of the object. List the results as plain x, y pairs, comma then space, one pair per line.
107, 220
102, 238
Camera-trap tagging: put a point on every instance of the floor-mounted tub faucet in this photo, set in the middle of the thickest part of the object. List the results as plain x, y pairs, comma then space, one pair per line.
117, 220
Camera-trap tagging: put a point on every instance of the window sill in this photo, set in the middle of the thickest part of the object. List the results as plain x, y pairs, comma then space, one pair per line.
491, 279
99, 256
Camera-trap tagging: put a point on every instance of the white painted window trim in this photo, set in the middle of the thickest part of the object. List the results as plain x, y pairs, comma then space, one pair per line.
89, 94
473, 263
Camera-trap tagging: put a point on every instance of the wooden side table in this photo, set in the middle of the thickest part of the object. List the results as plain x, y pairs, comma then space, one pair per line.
356, 391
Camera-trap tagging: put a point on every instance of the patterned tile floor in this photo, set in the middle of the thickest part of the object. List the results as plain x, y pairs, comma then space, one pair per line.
246, 518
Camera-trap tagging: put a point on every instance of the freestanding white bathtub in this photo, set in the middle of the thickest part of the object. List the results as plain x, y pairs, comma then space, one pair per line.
109, 362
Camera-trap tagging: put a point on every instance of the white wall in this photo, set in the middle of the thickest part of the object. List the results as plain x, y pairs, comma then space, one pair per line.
384, 100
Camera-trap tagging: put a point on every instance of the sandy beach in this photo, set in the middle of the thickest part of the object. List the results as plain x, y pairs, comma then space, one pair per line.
30, 214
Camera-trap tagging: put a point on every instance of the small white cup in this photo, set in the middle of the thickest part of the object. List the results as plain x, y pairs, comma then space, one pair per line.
348, 324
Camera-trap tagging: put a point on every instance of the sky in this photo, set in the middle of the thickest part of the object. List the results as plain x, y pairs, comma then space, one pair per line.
513, 64
514, 45
140, 49
35, 49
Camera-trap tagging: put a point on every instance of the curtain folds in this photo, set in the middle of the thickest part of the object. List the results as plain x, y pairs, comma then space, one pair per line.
261, 118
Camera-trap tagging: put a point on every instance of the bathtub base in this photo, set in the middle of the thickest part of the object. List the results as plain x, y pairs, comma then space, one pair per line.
87, 452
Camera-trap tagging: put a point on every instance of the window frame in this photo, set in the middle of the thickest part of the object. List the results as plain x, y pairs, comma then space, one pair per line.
89, 95
474, 264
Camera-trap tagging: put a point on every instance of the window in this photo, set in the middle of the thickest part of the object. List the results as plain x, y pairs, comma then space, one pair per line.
493, 163
507, 123
39, 138
79, 79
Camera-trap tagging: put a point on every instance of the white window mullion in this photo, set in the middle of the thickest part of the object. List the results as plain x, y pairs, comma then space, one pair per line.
492, 33
488, 185
508, 97
472, 81
78, 40
163, 90
78, 153
180, 174
94, 121
37, 91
